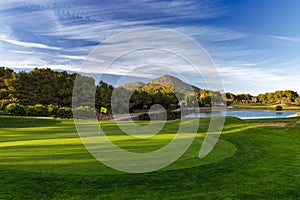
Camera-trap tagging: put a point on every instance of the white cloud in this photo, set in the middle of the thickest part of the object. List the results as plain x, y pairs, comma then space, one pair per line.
73, 27
97, 22
205, 33
75, 21
257, 80
288, 39
29, 44
73, 57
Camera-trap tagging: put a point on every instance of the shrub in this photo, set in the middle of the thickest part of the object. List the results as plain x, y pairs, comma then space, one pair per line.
84, 112
144, 116
297, 101
52, 110
174, 115
64, 113
160, 116
278, 108
15, 109
37, 111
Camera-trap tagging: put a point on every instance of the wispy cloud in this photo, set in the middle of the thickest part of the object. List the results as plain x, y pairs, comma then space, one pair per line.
288, 39
63, 35
205, 33
75, 21
87, 21
29, 44
257, 80
73, 57
22, 52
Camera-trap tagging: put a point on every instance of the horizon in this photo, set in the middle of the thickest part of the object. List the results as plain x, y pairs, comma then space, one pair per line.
254, 44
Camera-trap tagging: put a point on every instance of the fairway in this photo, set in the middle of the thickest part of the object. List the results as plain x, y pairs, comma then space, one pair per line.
45, 159
54, 146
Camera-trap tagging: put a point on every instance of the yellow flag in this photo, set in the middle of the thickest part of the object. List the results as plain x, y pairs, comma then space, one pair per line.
103, 110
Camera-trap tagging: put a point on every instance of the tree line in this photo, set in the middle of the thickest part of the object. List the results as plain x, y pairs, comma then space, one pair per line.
285, 97
45, 92
40, 92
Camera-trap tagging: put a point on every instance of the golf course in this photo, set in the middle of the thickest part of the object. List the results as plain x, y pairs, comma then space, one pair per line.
45, 159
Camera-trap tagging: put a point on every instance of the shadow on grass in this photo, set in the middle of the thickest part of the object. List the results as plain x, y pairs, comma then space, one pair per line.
23, 122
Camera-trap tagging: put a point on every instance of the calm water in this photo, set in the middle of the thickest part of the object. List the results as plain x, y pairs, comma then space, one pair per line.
242, 114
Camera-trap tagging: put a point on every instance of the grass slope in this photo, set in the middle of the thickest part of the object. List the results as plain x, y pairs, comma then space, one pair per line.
44, 159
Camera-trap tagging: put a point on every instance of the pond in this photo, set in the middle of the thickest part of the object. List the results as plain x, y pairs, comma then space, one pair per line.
243, 114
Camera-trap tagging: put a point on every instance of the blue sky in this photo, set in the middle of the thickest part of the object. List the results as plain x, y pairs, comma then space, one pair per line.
255, 44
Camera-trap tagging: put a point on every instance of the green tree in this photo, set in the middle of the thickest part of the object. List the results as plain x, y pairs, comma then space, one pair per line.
6, 89
103, 95
279, 97
297, 101
64, 85
84, 91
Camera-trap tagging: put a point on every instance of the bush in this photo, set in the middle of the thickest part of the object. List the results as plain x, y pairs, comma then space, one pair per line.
15, 109
65, 113
160, 116
84, 112
37, 111
278, 108
297, 101
52, 110
174, 115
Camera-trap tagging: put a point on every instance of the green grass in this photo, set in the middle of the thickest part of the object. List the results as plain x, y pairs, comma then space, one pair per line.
56, 148
45, 159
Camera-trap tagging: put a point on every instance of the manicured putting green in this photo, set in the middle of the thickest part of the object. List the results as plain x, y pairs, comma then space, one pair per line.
53, 146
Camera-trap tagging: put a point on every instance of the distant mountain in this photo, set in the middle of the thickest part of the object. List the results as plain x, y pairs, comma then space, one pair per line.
165, 80
173, 82
133, 85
